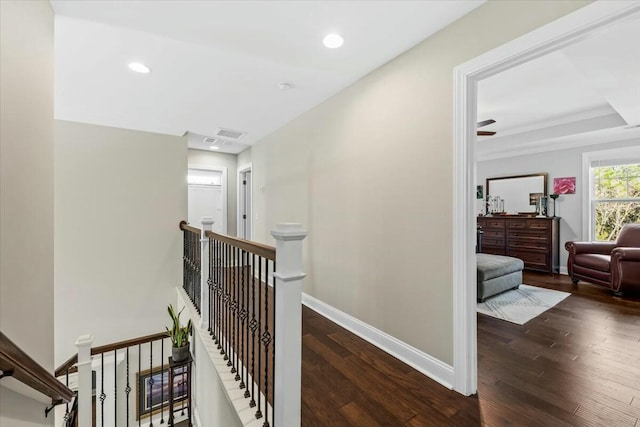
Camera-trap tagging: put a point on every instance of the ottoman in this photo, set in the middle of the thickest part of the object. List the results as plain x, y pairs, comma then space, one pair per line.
496, 274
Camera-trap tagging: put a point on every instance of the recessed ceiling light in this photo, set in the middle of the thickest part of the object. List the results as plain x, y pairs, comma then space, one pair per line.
285, 85
333, 41
139, 68
213, 147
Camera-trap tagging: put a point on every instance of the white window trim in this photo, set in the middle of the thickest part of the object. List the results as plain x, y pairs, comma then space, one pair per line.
588, 227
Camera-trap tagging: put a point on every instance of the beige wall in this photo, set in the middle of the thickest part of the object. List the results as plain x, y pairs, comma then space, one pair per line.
119, 197
26, 193
229, 161
368, 172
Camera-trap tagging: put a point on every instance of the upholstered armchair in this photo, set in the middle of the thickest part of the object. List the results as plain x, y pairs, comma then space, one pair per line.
615, 265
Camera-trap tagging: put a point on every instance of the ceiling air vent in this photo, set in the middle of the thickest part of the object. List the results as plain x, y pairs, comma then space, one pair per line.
230, 133
209, 140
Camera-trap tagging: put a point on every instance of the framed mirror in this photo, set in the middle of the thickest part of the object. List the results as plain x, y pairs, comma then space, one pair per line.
519, 192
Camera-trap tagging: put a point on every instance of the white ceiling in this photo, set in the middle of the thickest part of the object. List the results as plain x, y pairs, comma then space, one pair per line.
588, 91
218, 64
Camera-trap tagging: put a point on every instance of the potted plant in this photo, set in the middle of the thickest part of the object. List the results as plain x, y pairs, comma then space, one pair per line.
179, 336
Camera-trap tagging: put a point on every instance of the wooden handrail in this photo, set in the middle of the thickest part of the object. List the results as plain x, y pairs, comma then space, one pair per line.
128, 343
185, 226
68, 365
62, 369
26, 370
259, 249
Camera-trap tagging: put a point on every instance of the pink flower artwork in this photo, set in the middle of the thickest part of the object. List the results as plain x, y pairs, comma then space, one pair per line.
564, 185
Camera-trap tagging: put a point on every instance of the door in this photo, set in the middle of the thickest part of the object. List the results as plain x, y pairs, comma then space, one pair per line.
205, 198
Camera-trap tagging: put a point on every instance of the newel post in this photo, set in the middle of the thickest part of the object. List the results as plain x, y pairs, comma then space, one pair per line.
288, 324
85, 412
205, 286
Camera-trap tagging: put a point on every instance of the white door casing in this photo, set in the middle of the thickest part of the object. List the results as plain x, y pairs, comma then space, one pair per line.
537, 43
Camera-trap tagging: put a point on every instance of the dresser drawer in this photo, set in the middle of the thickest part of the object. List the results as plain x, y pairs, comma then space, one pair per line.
526, 234
497, 224
538, 224
528, 244
492, 234
516, 224
536, 260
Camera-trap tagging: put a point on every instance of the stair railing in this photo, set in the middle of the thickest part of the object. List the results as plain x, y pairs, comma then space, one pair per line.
251, 305
123, 377
15, 363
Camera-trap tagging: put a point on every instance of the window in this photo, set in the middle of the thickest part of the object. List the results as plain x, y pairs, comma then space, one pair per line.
615, 196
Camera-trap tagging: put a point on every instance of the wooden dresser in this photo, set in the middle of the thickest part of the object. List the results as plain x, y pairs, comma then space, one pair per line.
536, 241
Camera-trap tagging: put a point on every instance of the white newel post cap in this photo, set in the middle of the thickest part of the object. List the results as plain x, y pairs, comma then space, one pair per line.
84, 340
288, 231
289, 238
207, 223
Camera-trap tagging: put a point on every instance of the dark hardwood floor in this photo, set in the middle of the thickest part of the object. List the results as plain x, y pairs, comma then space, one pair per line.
578, 364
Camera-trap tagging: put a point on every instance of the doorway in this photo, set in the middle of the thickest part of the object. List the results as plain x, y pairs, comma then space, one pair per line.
245, 203
206, 196
526, 48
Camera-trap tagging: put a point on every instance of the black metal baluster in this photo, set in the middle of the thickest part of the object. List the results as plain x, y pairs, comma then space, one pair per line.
151, 382
210, 284
115, 387
225, 303
185, 267
225, 300
127, 389
198, 293
218, 294
245, 327
259, 411
236, 324
253, 325
229, 303
192, 283
266, 340
140, 384
102, 395
162, 381
233, 310
216, 314
190, 293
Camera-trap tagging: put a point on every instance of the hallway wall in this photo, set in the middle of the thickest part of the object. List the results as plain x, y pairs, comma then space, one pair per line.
119, 197
26, 195
369, 173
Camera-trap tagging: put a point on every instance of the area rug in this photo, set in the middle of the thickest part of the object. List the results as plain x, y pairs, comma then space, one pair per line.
522, 304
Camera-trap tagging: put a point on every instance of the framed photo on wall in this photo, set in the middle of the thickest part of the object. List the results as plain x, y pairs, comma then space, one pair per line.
152, 390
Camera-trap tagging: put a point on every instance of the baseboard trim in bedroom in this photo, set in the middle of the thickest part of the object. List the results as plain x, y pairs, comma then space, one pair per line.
417, 359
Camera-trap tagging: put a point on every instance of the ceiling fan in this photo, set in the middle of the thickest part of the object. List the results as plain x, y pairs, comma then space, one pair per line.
483, 124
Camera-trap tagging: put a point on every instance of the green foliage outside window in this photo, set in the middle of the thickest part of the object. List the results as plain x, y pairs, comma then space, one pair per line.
617, 198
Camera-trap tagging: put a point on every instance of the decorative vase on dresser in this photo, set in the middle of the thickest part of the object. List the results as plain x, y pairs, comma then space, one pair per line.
536, 241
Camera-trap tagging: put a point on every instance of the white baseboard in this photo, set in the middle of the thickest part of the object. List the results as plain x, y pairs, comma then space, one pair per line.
417, 359
563, 270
